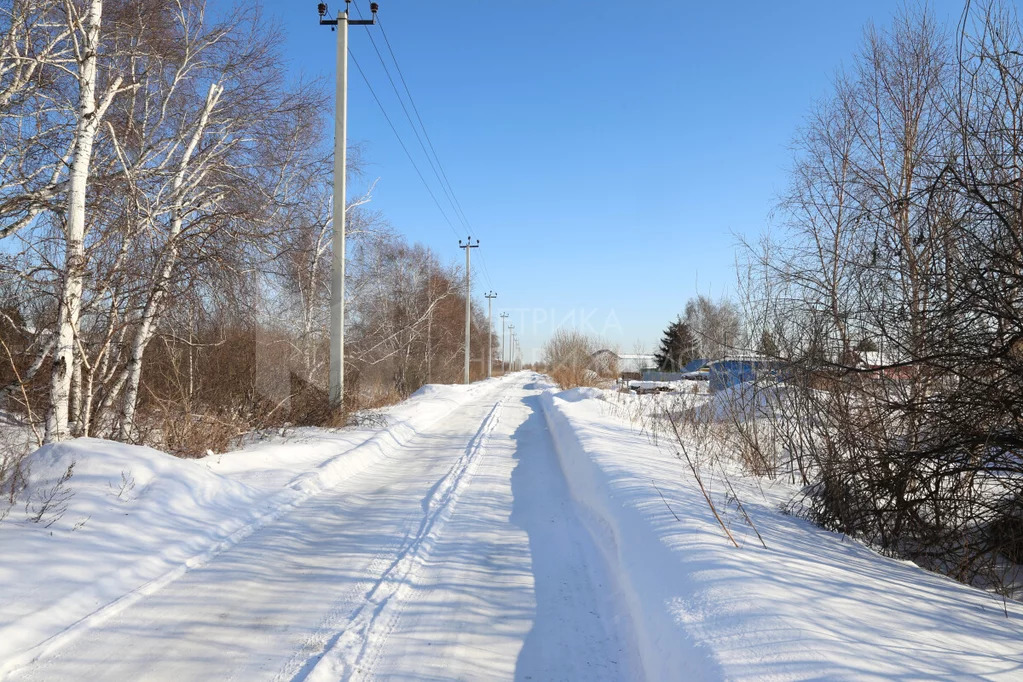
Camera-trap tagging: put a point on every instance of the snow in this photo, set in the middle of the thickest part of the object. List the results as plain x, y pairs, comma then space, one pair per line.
745, 401
812, 605
501, 530
685, 385
138, 519
16, 438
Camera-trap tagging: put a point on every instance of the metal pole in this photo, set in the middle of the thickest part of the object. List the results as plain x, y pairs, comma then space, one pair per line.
468, 246
336, 378
503, 353
468, 303
511, 347
490, 333
429, 325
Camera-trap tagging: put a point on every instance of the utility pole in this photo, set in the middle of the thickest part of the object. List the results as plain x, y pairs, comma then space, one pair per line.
511, 347
468, 246
429, 325
337, 272
490, 333
503, 316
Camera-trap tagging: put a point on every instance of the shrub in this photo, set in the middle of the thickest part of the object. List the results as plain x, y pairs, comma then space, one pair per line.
569, 358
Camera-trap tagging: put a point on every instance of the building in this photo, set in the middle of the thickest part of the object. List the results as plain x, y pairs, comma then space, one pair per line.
629, 366
736, 369
636, 363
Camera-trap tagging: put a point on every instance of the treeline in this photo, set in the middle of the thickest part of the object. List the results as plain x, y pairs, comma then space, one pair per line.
707, 330
894, 295
884, 322
165, 235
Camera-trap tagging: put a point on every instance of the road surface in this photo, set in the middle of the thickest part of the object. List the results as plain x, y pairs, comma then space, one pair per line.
460, 556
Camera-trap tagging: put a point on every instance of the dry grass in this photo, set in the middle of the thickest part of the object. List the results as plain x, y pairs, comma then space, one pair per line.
572, 377
194, 434
568, 356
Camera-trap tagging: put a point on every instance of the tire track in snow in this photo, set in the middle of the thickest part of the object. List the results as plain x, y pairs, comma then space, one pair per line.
356, 646
344, 610
295, 494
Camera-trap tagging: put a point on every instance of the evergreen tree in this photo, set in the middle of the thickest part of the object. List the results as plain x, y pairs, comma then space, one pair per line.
678, 347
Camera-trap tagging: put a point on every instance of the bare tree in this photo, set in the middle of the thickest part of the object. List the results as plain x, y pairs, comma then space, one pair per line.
895, 297
716, 327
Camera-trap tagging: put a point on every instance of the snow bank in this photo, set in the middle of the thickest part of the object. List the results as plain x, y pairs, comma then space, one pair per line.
574, 395
17, 439
637, 558
813, 605
346, 452
744, 401
126, 515
131, 519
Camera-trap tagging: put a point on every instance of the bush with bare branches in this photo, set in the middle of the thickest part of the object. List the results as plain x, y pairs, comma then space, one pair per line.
896, 298
568, 356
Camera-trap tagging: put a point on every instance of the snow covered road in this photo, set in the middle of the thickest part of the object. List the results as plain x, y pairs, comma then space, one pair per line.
498, 531
457, 556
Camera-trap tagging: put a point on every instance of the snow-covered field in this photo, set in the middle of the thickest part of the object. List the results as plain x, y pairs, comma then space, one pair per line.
497, 531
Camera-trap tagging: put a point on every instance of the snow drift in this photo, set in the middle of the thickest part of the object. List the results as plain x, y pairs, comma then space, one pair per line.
811, 605
131, 519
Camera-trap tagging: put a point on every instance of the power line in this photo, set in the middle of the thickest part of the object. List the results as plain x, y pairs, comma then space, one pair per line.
445, 186
438, 167
402, 143
419, 118
486, 270
442, 175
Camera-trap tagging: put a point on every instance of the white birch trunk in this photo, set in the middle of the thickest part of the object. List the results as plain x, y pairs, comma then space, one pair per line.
85, 421
162, 278
70, 300
75, 400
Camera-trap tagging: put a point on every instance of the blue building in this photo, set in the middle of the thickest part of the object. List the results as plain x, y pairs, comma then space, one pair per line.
695, 365
690, 371
734, 370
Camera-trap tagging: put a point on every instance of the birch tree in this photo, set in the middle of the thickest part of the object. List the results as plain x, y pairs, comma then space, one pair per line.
86, 27
34, 41
227, 177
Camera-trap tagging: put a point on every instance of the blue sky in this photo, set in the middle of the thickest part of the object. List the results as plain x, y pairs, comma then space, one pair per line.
606, 153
